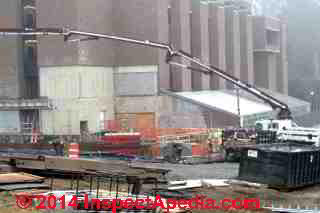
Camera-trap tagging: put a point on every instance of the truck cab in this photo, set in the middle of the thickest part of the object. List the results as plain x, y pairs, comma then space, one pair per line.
287, 130
275, 125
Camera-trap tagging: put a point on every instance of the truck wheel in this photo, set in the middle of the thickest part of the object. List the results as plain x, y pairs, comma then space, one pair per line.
227, 154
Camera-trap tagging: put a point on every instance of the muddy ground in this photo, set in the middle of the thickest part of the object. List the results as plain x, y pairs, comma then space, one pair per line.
307, 197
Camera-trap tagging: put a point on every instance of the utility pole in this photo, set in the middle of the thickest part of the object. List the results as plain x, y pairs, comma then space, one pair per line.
238, 105
312, 93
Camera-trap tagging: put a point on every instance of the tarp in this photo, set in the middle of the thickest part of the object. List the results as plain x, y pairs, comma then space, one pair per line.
251, 107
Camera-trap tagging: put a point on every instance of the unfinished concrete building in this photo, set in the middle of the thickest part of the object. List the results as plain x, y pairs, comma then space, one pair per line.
219, 34
89, 83
270, 54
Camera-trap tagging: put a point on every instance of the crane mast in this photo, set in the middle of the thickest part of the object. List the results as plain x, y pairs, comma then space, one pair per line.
283, 109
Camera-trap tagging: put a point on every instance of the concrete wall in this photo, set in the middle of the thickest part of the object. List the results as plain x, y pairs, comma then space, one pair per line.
95, 16
217, 43
53, 51
92, 16
137, 104
136, 81
151, 24
78, 93
138, 19
112, 17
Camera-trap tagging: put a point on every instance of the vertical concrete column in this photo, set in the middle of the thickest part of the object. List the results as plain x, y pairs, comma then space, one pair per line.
282, 75
266, 65
232, 42
236, 45
200, 42
272, 70
180, 39
11, 49
163, 36
217, 43
316, 64
246, 45
261, 76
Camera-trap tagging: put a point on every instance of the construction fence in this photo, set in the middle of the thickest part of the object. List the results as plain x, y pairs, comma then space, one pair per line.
146, 128
195, 142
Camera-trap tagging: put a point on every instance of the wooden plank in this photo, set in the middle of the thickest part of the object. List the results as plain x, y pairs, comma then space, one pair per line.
19, 178
13, 187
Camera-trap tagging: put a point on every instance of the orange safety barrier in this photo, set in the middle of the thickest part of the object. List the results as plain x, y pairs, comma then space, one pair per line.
155, 150
200, 150
74, 151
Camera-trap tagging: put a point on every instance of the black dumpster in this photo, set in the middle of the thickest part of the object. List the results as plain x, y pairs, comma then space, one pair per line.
284, 165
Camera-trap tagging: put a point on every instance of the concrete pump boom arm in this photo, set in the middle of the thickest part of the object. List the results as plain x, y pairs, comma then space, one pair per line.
284, 111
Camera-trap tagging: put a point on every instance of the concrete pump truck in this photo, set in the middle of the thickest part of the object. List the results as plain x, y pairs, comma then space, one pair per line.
283, 124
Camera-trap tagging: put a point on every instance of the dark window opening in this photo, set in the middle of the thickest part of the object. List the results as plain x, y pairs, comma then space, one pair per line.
273, 39
29, 21
84, 127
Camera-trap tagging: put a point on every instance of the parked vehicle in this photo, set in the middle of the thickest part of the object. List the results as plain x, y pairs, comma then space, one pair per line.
287, 130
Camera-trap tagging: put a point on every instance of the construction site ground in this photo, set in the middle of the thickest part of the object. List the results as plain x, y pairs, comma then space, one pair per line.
200, 171
305, 197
